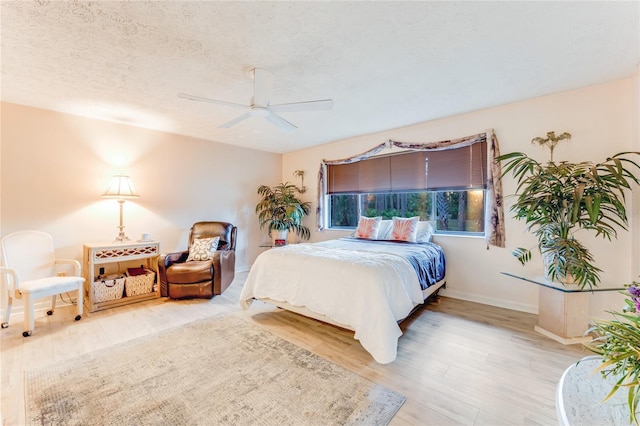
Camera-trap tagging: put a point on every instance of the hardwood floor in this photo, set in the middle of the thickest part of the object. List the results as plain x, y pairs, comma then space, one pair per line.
459, 363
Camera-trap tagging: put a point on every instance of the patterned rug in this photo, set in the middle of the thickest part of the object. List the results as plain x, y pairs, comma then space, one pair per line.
218, 371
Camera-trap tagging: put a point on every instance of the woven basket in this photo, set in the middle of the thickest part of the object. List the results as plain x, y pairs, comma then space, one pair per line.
108, 289
140, 284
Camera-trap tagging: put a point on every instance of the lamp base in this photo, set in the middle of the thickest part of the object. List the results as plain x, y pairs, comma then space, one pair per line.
121, 238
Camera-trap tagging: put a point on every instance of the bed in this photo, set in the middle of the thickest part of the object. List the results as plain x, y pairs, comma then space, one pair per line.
363, 285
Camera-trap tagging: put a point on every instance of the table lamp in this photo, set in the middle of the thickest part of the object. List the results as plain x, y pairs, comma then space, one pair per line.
121, 188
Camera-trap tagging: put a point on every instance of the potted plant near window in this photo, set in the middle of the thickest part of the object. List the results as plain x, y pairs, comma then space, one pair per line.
282, 211
557, 199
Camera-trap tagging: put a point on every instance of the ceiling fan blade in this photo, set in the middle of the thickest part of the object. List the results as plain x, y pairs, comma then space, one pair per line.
280, 122
262, 87
235, 120
212, 101
320, 105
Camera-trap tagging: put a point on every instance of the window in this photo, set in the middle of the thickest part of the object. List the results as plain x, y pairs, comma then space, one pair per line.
450, 211
446, 187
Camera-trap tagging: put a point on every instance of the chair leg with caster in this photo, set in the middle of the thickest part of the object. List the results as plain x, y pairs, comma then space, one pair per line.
7, 301
79, 302
53, 305
29, 319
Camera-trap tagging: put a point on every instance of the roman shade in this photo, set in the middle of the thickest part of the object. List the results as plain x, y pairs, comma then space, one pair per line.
450, 169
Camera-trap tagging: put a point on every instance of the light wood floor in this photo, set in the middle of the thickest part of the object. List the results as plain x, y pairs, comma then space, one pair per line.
459, 363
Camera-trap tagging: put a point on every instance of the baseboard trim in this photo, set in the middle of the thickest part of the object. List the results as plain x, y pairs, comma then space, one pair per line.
500, 303
45, 304
564, 340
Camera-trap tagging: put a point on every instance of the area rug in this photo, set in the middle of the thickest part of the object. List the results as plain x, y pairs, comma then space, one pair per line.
218, 371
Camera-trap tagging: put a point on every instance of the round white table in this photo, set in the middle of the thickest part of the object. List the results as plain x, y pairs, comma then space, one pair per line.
580, 393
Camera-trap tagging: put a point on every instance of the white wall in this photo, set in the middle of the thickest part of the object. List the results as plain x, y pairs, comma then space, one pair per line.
600, 120
56, 166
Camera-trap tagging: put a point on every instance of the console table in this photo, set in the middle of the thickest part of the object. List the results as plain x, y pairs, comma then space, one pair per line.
115, 258
563, 310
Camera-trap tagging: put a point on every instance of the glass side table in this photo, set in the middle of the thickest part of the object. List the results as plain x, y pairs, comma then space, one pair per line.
269, 244
563, 310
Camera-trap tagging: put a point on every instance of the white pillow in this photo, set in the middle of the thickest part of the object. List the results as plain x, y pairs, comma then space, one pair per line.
404, 229
425, 232
368, 227
203, 248
385, 229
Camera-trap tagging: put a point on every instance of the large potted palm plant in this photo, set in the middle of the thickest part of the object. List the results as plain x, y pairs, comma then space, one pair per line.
557, 199
281, 211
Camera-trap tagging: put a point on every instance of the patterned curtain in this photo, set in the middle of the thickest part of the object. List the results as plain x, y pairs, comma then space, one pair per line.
494, 221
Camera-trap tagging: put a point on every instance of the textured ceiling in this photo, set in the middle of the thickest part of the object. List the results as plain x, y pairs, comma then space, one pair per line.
384, 64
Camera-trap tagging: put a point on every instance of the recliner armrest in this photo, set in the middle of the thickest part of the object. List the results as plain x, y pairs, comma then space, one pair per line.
171, 258
224, 262
164, 261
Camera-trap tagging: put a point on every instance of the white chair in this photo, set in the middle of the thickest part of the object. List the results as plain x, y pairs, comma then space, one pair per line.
29, 272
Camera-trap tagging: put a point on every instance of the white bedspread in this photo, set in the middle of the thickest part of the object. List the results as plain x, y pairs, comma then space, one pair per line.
367, 291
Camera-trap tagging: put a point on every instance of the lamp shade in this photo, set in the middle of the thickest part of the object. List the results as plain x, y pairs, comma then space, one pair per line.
121, 187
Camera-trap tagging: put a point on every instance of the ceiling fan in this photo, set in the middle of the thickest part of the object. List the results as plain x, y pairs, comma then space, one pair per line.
260, 103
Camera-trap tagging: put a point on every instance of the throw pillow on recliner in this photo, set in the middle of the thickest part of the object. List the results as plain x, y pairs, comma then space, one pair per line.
203, 248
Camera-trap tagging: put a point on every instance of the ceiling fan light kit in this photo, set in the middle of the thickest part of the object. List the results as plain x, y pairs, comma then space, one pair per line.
261, 103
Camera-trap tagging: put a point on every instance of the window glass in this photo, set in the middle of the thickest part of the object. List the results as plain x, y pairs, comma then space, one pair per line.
459, 211
449, 211
401, 204
344, 211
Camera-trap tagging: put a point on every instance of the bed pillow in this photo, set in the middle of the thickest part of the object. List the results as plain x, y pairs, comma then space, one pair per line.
368, 227
385, 229
404, 229
203, 249
425, 232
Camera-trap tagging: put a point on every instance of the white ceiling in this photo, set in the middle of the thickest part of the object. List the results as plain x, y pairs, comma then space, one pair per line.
384, 64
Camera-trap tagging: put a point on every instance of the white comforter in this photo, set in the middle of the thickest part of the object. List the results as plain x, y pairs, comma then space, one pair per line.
367, 291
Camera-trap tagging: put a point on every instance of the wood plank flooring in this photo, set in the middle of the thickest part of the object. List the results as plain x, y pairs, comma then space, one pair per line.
459, 363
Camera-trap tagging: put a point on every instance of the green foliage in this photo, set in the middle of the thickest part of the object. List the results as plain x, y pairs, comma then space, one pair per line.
618, 343
344, 210
557, 199
522, 254
280, 209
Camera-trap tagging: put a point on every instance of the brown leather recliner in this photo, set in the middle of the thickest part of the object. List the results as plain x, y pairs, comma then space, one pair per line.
180, 279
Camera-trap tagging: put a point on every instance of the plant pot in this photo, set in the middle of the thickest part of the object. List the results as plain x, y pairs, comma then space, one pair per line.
279, 237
